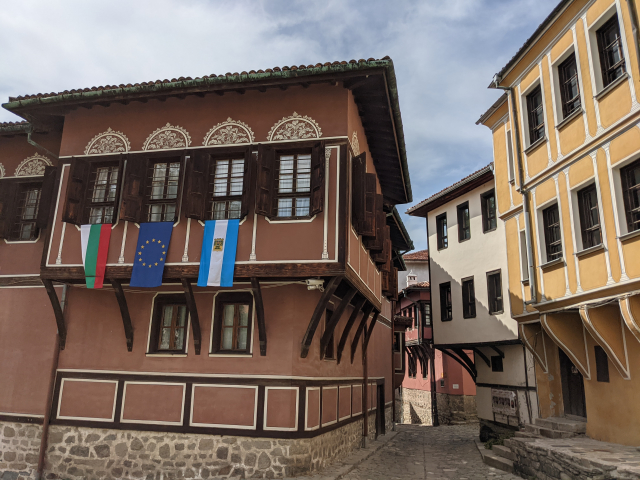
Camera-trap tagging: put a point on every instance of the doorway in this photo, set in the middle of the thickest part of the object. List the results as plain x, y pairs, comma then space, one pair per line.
572, 387
380, 417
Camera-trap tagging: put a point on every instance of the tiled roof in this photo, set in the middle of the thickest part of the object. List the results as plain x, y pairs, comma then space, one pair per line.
417, 285
451, 188
248, 76
420, 255
11, 124
11, 128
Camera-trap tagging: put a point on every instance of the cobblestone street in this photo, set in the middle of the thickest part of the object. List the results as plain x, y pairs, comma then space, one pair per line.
417, 452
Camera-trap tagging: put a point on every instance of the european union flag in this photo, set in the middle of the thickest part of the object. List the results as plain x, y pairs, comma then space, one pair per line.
151, 253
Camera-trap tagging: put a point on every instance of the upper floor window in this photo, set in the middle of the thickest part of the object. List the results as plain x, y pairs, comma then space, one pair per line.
552, 236
464, 223
24, 222
162, 191
446, 313
496, 363
494, 290
510, 159
468, 298
426, 314
489, 218
589, 216
569, 86
232, 323
227, 178
169, 325
441, 231
630, 176
103, 187
294, 185
612, 63
535, 112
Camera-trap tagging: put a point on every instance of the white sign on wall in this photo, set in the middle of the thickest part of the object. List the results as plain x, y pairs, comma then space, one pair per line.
504, 402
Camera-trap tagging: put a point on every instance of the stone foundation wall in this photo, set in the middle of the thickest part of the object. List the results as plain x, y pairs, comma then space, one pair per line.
19, 450
452, 409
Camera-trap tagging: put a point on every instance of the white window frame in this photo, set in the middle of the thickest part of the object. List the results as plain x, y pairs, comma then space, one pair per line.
511, 166
524, 109
557, 90
542, 245
621, 216
575, 207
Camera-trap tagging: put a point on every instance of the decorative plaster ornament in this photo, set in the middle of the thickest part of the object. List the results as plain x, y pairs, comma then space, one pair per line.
169, 136
229, 132
108, 142
355, 144
32, 166
295, 127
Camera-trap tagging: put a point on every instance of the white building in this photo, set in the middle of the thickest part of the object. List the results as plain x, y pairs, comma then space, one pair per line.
470, 303
417, 269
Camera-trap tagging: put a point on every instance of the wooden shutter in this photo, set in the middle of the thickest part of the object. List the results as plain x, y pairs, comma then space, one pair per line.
197, 185
133, 190
317, 178
8, 197
265, 184
385, 254
46, 197
368, 224
77, 184
385, 283
376, 244
358, 172
247, 182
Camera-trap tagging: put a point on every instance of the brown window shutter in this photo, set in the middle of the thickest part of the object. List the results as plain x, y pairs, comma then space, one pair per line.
376, 244
247, 183
317, 178
197, 185
385, 254
8, 195
76, 191
133, 190
358, 172
368, 225
265, 181
385, 282
393, 283
46, 197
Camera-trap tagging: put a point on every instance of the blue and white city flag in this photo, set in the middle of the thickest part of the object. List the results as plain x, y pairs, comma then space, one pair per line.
218, 257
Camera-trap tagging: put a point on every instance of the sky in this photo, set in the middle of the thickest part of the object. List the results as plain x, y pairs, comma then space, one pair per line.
445, 54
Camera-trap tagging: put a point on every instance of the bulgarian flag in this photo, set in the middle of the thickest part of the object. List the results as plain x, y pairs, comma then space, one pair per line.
95, 245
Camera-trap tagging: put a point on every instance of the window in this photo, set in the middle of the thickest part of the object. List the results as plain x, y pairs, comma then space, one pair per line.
397, 342
602, 364
414, 314
103, 187
535, 113
162, 194
569, 86
442, 382
426, 314
494, 289
524, 259
169, 325
610, 52
552, 236
489, 218
445, 302
464, 224
630, 176
294, 185
24, 226
330, 350
496, 363
441, 231
468, 298
589, 216
226, 185
232, 324
512, 166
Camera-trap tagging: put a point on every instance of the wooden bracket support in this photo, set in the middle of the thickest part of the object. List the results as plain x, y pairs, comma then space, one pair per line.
347, 327
193, 312
459, 360
498, 351
363, 322
318, 313
124, 312
262, 329
57, 311
466, 359
482, 356
335, 318
369, 331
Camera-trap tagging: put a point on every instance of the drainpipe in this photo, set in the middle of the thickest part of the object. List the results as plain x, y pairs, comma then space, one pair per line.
523, 191
30, 141
52, 382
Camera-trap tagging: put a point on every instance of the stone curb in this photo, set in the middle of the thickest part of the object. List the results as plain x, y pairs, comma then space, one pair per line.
340, 469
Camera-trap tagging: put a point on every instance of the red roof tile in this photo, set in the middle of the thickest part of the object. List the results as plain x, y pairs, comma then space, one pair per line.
421, 255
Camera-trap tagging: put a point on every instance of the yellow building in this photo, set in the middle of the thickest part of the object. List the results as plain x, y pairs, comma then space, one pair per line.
566, 145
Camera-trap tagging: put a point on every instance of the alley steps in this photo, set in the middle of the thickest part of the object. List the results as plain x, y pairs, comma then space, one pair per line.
499, 457
557, 427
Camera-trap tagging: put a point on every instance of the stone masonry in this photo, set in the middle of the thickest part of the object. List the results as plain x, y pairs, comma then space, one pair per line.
452, 409
19, 449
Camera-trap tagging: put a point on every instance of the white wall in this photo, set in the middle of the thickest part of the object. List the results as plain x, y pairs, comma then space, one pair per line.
482, 253
421, 269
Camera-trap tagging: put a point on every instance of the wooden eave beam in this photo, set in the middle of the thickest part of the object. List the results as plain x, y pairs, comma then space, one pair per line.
369, 331
459, 360
335, 318
465, 358
347, 328
317, 314
482, 356
124, 312
497, 350
363, 323
57, 311
262, 330
193, 312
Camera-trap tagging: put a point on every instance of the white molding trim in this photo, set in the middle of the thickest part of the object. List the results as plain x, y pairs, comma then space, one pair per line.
86, 380
152, 422
266, 401
340, 387
306, 409
221, 425
330, 387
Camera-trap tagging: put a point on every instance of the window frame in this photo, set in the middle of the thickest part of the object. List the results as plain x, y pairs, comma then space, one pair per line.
446, 302
606, 77
537, 130
462, 229
148, 201
222, 299
485, 211
442, 235
16, 220
211, 199
427, 319
563, 82
468, 298
627, 208
492, 291
276, 179
584, 214
548, 230
89, 204
510, 157
497, 364
159, 302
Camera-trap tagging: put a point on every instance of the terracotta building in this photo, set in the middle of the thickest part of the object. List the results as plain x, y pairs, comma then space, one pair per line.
267, 377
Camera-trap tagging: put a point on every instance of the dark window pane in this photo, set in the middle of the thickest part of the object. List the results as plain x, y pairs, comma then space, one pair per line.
535, 112
441, 233
589, 216
464, 225
630, 176
24, 223
496, 363
552, 235
494, 289
445, 302
489, 218
569, 86
612, 61
468, 299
